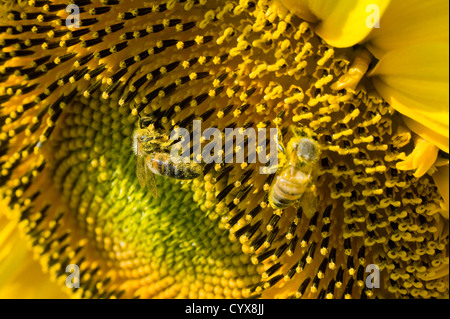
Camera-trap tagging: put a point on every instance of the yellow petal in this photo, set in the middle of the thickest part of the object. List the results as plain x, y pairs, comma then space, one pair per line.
20, 275
344, 23
440, 178
414, 80
410, 22
427, 117
421, 159
428, 133
298, 7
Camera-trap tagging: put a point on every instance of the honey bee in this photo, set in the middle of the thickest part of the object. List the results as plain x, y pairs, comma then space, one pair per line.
151, 147
296, 181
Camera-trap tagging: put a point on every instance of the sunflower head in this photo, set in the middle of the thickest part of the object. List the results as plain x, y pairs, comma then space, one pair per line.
72, 100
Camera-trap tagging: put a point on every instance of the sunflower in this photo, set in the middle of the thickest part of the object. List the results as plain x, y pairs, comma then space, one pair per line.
367, 78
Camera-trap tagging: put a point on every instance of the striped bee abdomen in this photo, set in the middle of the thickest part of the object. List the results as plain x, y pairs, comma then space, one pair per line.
285, 192
162, 164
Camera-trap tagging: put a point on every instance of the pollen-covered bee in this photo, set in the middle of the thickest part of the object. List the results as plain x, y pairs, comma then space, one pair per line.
296, 182
152, 149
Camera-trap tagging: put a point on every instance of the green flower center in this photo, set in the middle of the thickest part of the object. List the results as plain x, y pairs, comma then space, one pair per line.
70, 100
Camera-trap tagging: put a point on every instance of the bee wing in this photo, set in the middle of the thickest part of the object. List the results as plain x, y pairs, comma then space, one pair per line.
151, 182
141, 170
309, 201
145, 176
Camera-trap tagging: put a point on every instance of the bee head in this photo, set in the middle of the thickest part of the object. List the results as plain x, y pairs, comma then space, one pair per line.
308, 150
145, 121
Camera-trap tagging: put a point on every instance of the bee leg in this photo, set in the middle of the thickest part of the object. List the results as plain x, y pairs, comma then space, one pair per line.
297, 204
